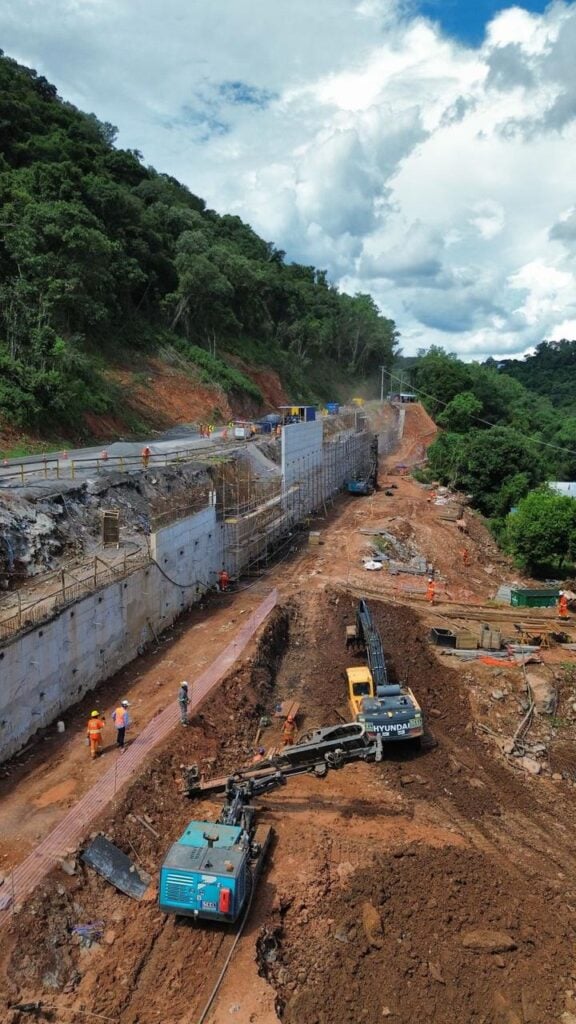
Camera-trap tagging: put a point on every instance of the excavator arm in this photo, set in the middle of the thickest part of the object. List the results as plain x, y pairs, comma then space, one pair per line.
327, 750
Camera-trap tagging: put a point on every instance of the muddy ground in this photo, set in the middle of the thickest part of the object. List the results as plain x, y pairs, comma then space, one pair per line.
378, 875
438, 886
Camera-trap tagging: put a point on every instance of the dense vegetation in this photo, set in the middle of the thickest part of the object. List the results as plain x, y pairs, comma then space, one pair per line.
551, 372
500, 442
102, 258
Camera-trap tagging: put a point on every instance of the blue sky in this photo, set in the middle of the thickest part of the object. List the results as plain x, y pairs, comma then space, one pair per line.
421, 151
467, 19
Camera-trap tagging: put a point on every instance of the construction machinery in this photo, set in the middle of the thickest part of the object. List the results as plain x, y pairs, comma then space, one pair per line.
385, 709
211, 870
366, 484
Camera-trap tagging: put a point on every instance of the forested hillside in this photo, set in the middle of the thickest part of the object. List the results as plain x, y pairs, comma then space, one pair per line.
104, 260
551, 372
500, 444
499, 439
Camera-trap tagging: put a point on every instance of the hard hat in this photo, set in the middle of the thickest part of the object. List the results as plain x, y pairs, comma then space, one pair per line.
561, 593
185, 684
430, 579
93, 714
125, 704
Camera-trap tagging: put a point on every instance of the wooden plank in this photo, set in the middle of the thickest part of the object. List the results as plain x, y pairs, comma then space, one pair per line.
287, 707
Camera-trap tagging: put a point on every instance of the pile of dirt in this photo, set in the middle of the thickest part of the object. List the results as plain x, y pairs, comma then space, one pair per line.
437, 934
45, 957
435, 885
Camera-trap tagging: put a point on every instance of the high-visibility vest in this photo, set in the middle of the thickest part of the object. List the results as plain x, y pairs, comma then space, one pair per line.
120, 718
95, 726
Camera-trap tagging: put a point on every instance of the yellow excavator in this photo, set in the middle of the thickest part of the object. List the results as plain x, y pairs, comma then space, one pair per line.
385, 709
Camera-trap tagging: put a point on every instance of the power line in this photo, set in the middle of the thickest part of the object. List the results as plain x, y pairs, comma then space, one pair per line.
486, 423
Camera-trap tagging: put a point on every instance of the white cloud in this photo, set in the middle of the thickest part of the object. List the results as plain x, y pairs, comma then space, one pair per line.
440, 178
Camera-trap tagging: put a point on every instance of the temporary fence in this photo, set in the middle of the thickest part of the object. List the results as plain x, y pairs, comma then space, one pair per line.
71, 830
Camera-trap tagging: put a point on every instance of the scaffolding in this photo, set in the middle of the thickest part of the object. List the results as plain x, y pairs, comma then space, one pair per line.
259, 515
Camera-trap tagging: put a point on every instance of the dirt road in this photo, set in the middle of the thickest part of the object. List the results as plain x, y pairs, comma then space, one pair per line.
438, 886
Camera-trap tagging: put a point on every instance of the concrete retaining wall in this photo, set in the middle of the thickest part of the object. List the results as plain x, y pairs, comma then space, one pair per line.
53, 666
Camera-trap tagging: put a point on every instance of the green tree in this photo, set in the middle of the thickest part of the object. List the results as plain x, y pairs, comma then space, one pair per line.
542, 530
460, 414
440, 376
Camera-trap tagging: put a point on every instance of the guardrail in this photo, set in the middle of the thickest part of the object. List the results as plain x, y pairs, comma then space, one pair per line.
64, 468
66, 589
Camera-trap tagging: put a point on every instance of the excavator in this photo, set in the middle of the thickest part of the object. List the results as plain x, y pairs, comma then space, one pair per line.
387, 709
211, 871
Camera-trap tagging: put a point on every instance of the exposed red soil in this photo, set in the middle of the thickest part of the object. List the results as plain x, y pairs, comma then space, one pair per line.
377, 872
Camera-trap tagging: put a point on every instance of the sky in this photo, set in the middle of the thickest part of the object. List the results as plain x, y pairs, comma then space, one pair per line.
421, 151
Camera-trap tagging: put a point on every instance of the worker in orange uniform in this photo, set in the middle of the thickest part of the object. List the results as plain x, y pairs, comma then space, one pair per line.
146, 453
431, 591
94, 731
288, 732
223, 580
563, 605
465, 556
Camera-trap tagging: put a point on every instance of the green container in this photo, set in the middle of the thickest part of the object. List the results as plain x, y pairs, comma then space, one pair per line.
534, 598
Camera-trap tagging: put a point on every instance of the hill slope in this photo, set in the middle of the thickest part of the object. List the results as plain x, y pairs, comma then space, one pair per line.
106, 264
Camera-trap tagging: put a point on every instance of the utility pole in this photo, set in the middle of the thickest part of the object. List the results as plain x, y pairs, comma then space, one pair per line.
382, 370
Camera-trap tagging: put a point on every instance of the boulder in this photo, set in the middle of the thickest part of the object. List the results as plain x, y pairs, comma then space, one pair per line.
372, 925
544, 693
483, 940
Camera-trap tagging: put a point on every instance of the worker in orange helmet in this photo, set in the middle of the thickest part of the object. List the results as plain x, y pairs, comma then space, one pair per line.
223, 580
563, 605
94, 731
431, 591
146, 453
288, 732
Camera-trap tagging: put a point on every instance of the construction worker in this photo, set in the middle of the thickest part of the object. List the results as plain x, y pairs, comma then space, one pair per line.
465, 556
563, 605
146, 453
183, 700
288, 732
94, 733
223, 580
431, 591
121, 719
259, 755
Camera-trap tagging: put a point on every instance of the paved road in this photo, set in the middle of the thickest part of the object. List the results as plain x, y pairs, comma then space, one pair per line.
117, 455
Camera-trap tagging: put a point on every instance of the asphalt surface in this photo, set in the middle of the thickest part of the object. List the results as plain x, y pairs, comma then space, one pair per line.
113, 456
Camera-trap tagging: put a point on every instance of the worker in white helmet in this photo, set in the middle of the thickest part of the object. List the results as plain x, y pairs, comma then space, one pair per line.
121, 719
